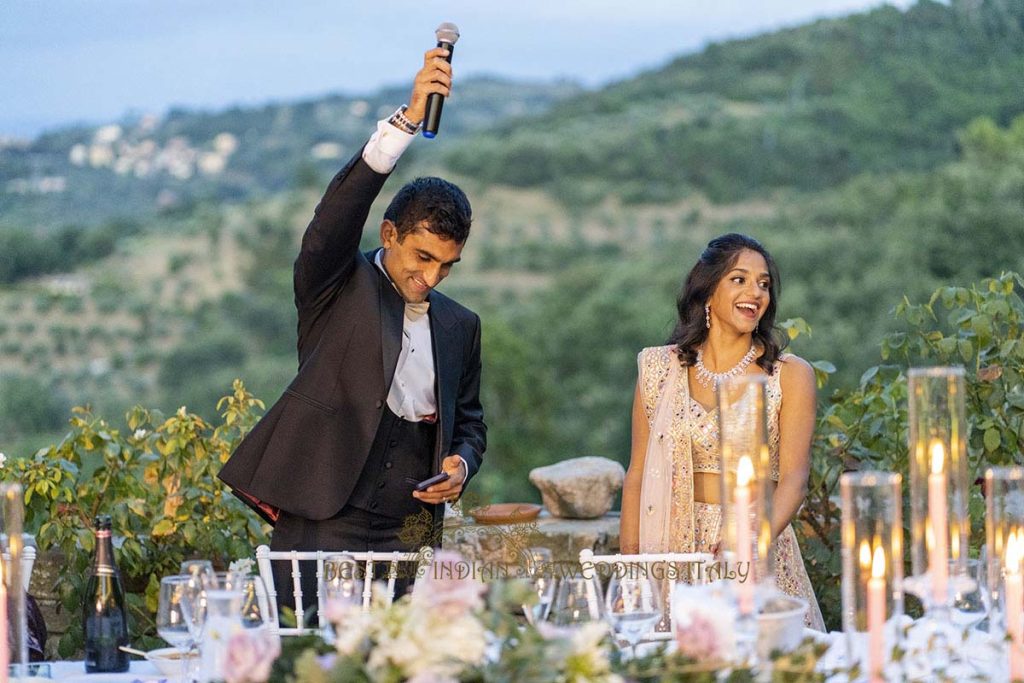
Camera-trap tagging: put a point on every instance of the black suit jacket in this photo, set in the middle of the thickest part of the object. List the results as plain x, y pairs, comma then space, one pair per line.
306, 453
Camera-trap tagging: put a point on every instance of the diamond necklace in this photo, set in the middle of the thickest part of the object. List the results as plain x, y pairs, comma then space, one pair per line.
711, 380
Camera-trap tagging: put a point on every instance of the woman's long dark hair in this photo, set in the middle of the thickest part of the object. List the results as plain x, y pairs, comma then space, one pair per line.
718, 259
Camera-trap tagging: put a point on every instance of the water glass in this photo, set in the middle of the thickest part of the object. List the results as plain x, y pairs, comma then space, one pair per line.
257, 609
577, 601
633, 607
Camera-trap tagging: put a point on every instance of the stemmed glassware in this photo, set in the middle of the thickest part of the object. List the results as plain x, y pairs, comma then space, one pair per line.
540, 574
577, 601
971, 599
633, 607
173, 622
341, 590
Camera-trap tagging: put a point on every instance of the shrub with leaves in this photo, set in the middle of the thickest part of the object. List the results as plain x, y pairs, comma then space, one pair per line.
157, 479
980, 327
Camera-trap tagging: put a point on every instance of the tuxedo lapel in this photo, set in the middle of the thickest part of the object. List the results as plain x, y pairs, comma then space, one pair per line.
392, 312
446, 369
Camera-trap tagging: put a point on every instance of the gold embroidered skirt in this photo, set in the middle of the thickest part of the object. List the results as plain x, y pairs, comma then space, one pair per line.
790, 572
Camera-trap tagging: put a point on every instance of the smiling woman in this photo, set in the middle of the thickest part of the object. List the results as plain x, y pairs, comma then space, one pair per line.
726, 328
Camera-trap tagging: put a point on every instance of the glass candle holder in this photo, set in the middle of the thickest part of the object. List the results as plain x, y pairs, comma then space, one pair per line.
939, 488
745, 476
12, 591
872, 552
1004, 514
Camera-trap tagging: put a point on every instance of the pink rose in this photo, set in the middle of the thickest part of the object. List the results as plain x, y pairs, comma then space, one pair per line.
249, 657
699, 639
449, 585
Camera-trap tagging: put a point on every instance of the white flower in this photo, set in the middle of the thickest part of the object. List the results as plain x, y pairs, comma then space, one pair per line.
242, 565
140, 433
3, 459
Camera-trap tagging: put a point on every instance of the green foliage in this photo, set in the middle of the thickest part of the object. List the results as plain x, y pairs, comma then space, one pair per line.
28, 405
157, 480
980, 327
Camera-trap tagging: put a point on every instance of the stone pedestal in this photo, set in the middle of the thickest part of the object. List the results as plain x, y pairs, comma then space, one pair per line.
499, 550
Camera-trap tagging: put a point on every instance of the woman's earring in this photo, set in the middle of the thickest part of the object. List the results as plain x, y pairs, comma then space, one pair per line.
707, 316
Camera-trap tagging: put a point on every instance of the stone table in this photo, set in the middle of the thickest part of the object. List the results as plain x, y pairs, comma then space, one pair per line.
497, 550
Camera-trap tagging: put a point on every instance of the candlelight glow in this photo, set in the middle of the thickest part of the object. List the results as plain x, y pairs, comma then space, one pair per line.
938, 455
878, 564
744, 471
865, 555
1013, 553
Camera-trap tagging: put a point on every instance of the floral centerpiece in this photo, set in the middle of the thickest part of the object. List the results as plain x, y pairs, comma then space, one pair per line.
451, 628
455, 629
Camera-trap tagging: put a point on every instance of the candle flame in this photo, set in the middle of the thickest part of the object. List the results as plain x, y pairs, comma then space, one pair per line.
938, 455
865, 554
744, 471
878, 564
1013, 553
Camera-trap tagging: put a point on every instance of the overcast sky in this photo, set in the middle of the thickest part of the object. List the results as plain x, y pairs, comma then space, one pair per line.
94, 60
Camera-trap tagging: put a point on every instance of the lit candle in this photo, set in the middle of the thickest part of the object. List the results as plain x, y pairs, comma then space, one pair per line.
5, 652
1015, 605
938, 556
744, 473
876, 617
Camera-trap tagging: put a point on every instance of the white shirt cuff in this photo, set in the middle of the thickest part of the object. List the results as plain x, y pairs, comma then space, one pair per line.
385, 146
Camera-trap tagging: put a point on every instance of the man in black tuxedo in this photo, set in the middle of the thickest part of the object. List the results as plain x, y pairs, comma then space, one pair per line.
387, 392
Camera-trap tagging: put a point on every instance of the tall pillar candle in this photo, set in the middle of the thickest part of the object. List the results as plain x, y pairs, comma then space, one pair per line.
1015, 604
741, 500
876, 617
938, 556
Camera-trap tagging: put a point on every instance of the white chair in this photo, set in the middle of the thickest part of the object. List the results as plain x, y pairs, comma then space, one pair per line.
265, 556
673, 567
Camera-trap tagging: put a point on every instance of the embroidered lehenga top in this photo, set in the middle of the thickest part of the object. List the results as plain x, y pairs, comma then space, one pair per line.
689, 432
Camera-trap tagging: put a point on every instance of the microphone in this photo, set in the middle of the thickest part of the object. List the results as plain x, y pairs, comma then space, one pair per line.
447, 34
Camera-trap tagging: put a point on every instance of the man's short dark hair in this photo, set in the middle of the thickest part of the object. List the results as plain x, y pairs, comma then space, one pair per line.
440, 203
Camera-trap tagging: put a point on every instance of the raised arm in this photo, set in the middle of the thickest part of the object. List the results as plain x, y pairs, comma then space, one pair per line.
331, 242
796, 429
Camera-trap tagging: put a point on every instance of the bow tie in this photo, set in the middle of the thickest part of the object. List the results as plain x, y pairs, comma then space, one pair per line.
417, 310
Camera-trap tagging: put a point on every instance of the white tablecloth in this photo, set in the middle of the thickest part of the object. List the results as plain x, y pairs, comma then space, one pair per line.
74, 672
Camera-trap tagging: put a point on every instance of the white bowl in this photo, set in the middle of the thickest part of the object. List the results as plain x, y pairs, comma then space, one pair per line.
167, 660
780, 624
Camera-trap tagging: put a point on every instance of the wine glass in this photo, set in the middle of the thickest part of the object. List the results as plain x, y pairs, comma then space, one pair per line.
196, 568
543, 585
257, 609
577, 601
540, 575
633, 607
971, 599
341, 591
172, 618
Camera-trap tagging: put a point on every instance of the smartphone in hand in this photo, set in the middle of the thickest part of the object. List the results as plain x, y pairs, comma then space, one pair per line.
436, 479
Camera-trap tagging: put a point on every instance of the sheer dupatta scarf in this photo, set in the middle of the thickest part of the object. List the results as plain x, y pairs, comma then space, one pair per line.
668, 449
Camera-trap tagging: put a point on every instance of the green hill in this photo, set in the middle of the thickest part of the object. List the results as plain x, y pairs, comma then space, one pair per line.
808, 108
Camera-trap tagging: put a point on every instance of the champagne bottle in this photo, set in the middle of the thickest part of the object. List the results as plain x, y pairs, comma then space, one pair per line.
104, 619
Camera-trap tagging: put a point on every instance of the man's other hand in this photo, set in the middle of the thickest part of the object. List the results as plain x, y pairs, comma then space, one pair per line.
449, 490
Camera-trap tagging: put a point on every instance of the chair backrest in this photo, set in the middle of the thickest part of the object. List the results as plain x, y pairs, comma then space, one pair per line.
265, 556
686, 567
